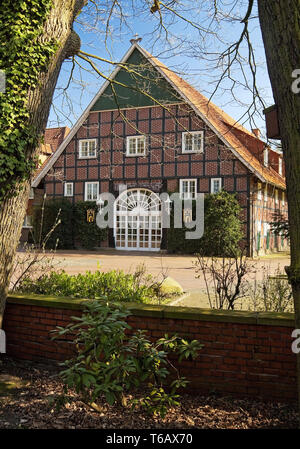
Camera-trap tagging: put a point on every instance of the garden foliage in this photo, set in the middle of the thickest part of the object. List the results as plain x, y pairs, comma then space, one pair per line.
113, 361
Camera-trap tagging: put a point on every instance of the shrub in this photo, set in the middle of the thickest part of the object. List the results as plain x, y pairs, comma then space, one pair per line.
222, 228
44, 219
89, 235
72, 227
111, 364
271, 294
115, 285
222, 225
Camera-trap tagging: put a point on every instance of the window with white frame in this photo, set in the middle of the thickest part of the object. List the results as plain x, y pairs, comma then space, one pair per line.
215, 185
91, 191
266, 157
136, 146
31, 193
27, 221
280, 166
68, 189
276, 196
259, 196
283, 198
188, 189
193, 142
87, 148
266, 193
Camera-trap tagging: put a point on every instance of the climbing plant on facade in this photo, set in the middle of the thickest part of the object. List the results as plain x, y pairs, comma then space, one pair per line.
23, 56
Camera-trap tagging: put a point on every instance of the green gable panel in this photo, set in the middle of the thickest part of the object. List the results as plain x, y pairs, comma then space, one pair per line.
139, 85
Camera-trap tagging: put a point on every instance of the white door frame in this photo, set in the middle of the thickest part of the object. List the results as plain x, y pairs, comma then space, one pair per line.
137, 213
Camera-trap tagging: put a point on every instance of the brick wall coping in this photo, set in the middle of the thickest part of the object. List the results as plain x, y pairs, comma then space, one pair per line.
157, 311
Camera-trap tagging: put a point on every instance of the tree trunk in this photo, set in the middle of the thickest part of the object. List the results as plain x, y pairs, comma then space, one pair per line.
280, 25
58, 27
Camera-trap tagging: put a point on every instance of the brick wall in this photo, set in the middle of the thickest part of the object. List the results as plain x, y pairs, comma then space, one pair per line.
245, 353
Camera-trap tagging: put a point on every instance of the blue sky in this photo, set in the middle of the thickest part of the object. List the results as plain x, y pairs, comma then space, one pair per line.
181, 53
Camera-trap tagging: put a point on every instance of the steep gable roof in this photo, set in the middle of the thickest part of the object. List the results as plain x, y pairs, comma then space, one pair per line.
245, 145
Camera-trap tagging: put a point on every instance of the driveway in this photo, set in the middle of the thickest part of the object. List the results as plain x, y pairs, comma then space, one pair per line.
159, 265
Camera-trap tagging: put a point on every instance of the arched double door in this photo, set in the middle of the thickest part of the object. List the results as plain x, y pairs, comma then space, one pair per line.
137, 220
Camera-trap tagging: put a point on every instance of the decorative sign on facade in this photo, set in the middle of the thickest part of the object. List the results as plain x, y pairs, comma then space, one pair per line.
187, 215
90, 215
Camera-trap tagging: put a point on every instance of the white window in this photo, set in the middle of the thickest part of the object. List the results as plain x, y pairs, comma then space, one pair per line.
188, 189
266, 194
266, 157
136, 146
87, 148
259, 196
215, 185
69, 189
31, 193
27, 221
280, 166
276, 196
91, 191
283, 198
192, 142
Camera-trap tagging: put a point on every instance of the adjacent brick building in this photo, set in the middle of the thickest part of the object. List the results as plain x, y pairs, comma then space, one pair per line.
53, 137
148, 131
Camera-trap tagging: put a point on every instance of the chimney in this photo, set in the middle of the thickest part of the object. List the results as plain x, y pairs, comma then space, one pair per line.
256, 132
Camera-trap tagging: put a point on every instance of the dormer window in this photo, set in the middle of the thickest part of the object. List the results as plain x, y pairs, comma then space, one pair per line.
266, 157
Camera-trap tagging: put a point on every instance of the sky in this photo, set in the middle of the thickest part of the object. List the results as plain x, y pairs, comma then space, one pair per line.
182, 50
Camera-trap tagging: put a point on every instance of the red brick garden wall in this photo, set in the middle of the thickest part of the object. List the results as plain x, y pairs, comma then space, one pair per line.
245, 353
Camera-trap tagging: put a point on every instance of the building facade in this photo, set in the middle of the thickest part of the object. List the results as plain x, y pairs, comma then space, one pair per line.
151, 132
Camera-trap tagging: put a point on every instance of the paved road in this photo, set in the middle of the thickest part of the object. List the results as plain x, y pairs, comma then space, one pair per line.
179, 267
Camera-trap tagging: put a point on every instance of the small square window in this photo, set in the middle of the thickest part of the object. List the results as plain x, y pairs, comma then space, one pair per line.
215, 185
91, 191
188, 189
69, 189
87, 148
192, 142
136, 146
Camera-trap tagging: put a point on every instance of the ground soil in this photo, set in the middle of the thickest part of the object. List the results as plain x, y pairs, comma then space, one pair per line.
30, 391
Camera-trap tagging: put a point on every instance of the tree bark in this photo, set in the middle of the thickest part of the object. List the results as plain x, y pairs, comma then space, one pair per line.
280, 26
58, 27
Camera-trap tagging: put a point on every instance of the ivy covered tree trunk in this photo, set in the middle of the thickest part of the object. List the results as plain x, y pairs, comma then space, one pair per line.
36, 36
280, 25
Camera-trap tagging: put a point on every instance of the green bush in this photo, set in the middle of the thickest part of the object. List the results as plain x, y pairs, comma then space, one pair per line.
115, 285
222, 228
89, 235
73, 227
112, 364
44, 219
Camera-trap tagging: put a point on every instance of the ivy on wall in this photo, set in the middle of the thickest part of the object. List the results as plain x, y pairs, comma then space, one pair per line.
23, 57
